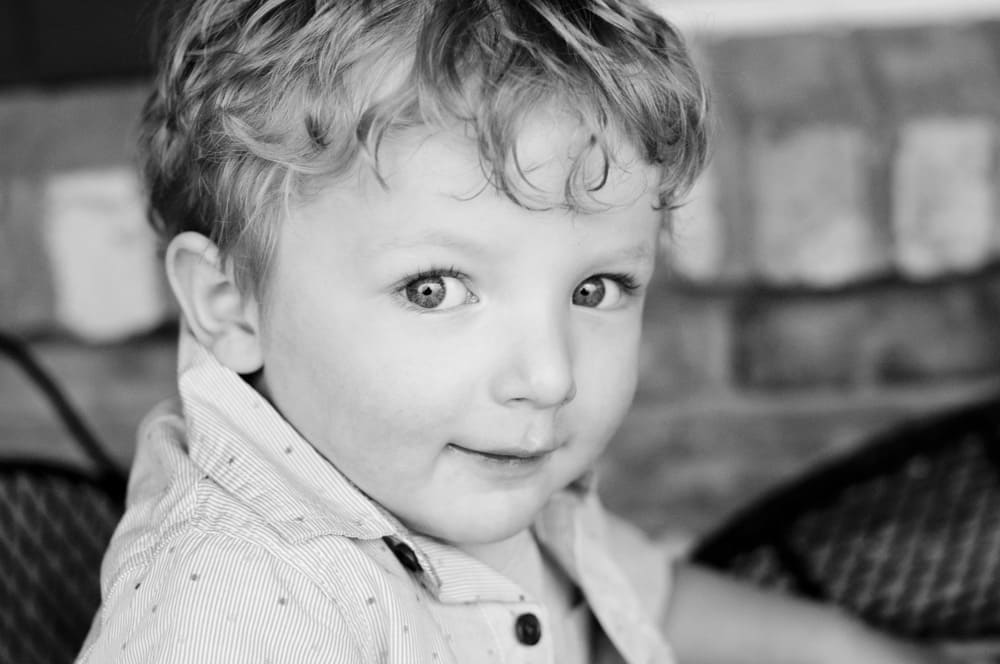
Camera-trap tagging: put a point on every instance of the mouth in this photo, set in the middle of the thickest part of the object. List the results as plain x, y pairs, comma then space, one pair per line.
509, 458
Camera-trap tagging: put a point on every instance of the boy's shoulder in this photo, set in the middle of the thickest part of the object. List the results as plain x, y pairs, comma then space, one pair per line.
177, 510
191, 561
216, 596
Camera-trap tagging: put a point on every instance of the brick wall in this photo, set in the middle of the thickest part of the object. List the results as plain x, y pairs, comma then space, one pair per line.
834, 271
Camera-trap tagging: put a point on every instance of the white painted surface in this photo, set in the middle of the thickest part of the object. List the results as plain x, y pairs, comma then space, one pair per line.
696, 246
945, 196
103, 253
764, 16
812, 224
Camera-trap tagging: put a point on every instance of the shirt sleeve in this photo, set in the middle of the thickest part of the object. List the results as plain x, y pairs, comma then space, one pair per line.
222, 600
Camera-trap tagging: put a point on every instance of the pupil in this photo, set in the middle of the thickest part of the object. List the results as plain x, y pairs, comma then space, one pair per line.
589, 294
427, 293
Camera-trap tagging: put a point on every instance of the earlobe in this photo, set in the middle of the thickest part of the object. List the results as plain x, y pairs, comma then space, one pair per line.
221, 317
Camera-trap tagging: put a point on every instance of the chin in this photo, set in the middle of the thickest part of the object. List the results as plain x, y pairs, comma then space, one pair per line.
483, 526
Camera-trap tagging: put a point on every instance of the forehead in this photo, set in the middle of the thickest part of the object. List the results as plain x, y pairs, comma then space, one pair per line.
556, 162
434, 194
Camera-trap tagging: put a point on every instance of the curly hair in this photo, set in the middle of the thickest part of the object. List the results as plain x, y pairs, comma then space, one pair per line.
257, 103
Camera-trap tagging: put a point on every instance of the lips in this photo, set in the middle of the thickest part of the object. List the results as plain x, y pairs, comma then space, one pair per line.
507, 455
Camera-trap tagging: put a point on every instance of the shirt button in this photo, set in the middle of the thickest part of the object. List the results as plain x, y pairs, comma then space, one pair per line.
528, 629
404, 554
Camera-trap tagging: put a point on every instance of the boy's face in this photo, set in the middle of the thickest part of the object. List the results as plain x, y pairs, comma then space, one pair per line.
456, 356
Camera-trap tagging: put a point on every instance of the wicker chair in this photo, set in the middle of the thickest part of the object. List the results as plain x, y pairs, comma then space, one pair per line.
55, 523
904, 533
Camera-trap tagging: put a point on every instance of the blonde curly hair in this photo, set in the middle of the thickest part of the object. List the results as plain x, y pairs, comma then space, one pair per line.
259, 103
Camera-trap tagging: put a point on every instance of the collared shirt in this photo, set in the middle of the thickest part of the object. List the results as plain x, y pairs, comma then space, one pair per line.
240, 543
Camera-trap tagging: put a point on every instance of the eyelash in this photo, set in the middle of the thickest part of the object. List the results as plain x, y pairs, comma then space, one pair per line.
435, 272
627, 281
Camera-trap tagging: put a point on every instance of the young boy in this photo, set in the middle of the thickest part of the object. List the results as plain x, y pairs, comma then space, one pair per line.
411, 241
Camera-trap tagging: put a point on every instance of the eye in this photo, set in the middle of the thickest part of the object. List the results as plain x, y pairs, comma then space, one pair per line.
437, 292
603, 291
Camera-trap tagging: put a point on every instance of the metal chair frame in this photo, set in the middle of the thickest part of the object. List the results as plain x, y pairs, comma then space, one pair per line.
55, 523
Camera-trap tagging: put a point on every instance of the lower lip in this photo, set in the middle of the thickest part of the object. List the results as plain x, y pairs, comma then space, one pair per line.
504, 463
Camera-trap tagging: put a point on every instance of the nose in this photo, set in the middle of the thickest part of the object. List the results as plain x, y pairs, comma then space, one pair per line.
537, 367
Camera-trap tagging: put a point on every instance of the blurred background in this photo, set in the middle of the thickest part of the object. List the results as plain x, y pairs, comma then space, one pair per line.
834, 273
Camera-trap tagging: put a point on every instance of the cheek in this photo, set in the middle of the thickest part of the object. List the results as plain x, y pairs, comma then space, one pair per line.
379, 389
609, 358
606, 381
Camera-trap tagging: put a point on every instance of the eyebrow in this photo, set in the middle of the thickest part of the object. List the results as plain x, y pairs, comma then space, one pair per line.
434, 239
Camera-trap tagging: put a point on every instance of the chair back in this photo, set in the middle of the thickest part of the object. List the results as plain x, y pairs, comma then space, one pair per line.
904, 532
55, 524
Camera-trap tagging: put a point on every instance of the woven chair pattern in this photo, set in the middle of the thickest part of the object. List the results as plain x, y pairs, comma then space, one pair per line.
56, 524
904, 533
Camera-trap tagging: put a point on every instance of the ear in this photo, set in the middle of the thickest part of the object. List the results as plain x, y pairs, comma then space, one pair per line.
223, 319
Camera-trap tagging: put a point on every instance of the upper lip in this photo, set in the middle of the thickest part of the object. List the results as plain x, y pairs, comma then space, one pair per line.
511, 452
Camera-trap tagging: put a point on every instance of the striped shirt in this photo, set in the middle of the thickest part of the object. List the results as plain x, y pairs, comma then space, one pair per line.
240, 543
